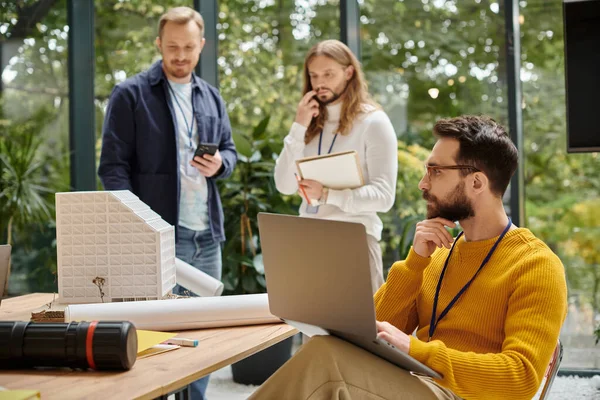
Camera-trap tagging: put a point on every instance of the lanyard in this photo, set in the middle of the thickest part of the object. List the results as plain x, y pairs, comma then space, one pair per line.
435, 322
190, 129
332, 142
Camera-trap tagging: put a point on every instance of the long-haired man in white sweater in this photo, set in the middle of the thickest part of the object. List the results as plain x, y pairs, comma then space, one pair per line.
337, 114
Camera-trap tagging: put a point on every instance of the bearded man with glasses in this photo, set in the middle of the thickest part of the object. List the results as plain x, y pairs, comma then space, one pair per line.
485, 307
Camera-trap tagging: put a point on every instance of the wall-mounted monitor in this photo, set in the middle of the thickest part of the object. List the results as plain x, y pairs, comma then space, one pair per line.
582, 74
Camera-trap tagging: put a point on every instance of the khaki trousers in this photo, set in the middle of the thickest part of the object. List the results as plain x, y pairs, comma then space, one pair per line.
375, 263
328, 368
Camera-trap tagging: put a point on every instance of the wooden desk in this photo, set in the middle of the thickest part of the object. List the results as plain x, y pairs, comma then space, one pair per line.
150, 377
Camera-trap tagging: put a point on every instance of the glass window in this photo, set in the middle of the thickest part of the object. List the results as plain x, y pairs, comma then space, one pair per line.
562, 190
431, 59
426, 60
262, 45
34, 134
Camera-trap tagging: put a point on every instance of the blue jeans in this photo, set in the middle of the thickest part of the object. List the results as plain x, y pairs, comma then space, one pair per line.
200, 251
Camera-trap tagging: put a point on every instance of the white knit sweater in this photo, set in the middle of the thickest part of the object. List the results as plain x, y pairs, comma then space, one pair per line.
374, 139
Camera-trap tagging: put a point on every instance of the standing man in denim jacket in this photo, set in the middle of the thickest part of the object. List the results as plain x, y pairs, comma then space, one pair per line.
153, 124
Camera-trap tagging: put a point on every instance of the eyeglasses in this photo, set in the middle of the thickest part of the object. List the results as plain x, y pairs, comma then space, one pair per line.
433, 170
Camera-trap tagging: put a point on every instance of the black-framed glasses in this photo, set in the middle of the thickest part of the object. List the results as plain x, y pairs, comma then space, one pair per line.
433, 170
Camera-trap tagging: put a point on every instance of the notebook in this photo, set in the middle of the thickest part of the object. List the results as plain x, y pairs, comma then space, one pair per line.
336, 170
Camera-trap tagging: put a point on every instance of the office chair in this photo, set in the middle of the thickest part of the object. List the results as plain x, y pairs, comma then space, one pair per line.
552, 370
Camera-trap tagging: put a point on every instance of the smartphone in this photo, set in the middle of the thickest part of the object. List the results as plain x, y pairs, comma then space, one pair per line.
206, 148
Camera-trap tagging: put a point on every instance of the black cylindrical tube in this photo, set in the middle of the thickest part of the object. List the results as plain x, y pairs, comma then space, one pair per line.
104, 345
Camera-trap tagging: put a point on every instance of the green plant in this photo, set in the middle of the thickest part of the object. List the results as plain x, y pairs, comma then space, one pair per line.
250, 190
23, 179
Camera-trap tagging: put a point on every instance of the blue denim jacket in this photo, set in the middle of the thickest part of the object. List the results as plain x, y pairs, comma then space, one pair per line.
139, 143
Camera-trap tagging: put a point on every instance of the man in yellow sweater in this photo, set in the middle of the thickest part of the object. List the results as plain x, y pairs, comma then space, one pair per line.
487, 306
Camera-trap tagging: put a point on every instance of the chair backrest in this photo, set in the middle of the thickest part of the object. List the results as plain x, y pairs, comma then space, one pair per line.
552, 370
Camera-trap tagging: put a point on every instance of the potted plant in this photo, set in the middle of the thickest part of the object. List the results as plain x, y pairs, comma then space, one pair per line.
249, 191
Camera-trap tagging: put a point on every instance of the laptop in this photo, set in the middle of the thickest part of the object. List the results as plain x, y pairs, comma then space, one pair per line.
4, 259
318, 280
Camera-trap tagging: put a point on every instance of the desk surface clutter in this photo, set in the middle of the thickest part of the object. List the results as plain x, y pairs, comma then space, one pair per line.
150, 377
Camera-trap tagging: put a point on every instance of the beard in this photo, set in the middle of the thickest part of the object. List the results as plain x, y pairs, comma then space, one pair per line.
458, 207
178, 71
336, 94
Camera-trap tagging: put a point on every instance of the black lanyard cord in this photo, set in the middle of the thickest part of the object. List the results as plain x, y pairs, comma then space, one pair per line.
433, 324
332, 142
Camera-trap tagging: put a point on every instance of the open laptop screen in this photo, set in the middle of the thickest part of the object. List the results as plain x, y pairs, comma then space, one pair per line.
317, 273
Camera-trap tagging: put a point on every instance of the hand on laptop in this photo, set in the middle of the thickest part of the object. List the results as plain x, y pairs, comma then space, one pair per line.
431, 234
393, 335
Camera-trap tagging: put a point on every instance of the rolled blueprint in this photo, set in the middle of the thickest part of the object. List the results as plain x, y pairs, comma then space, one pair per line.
179, 314
197, 281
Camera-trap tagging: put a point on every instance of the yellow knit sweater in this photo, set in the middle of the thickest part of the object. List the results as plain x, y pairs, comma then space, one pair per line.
497, 340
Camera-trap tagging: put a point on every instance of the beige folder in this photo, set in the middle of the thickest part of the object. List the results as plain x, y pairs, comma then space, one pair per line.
336, 170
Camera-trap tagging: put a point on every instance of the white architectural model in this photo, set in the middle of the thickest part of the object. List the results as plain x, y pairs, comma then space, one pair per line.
112, 247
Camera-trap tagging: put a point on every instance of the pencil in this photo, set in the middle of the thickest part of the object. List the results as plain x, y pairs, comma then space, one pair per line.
182, 342
302, 189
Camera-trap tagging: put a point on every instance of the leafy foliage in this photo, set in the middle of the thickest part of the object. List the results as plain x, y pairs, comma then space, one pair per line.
24, 178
